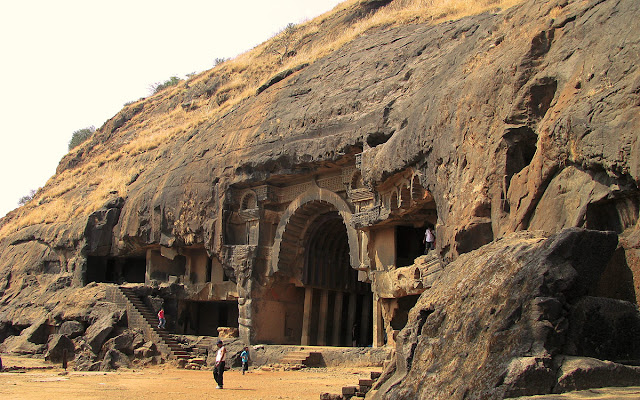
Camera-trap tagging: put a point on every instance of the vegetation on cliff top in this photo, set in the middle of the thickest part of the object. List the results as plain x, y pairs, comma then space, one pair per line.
102, 169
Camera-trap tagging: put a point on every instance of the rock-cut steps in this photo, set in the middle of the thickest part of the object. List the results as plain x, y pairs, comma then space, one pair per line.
303, 357
354, 392
142, 317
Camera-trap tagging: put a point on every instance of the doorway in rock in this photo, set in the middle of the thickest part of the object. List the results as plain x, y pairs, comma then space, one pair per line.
116, 269
409, 244
203, 318
337, 306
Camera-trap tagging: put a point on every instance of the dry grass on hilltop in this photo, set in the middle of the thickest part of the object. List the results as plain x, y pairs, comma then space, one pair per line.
108, 169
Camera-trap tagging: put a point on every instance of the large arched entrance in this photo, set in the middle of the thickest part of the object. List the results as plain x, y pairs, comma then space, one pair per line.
337, 307
316, 247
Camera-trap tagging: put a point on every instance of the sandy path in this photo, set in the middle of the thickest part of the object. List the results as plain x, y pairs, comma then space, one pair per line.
166, 382
169, 383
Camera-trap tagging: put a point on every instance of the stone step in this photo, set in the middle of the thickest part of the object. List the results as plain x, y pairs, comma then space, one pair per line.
308, 358
161, 337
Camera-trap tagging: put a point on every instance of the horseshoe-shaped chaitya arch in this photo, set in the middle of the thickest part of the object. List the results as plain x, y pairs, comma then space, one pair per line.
314, 200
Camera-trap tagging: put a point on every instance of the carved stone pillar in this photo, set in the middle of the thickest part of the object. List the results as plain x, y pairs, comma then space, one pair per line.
378, 323
306, 317
322, 320
337, 319
351, 318
365, 320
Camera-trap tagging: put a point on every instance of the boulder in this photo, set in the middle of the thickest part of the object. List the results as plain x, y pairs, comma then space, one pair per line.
56, 347
98, 332
38, 332
497, 320
31, 340
86, 360
124, 342
147, 350
579, 373
330, 396
71, 329
604, 328
20, 345
104, 309
113, 360
225, 332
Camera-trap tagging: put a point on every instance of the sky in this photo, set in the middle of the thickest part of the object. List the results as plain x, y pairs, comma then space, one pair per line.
67, 65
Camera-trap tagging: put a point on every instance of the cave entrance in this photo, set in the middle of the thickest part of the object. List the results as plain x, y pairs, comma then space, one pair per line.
317, 297
116, 269
337, 306
203, 318
409, 244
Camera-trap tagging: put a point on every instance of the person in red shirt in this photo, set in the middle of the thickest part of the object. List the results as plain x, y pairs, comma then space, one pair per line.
163, 322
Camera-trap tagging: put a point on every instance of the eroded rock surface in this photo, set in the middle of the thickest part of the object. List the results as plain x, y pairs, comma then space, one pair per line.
502, 319
519, 119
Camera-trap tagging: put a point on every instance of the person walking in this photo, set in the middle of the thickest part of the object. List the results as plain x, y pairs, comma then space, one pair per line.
244, 357
162, 322
429, 239
218, 369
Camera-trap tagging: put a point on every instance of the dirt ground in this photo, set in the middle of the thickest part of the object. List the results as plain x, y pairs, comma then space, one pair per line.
168, 382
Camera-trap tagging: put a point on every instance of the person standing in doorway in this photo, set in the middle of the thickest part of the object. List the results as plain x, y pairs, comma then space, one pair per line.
218, 369
162, 322
244, 356
429, 239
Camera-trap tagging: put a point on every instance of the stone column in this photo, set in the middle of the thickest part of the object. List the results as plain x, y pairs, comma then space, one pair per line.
305, 340
378, 322
351, 317
147, 272
365, 320
337, 319
322, 320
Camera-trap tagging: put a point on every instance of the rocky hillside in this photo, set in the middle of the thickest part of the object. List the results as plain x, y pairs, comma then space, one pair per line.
515, 318
524, 118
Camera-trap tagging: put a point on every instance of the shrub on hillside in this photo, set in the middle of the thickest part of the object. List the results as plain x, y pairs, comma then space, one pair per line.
156, 87
80, 136
25, 199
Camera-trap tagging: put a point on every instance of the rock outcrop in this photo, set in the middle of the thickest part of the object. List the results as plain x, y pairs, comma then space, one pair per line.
524, 119
515, 318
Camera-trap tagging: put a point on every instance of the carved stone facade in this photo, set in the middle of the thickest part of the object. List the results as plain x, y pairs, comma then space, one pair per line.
312, 259
326, 248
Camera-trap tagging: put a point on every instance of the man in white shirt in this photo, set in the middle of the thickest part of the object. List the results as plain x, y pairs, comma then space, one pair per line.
429, 239
218, 369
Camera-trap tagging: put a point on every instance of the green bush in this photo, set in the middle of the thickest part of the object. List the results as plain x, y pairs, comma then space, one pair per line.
25, 199
156, 87
80, 136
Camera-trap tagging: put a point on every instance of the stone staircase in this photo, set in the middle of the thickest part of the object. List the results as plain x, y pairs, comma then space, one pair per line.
303, 357
433, 267
140, 316
354, 392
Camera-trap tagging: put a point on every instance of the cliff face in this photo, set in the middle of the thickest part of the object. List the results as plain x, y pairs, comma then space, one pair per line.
526, 119
515, 318
522, 120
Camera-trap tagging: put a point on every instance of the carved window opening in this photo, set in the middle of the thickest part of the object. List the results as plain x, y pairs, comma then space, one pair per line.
521, 148
116, 269
163, 268
249, 201
356, 181
409, 245
393, 203
203, 318
613, 215
417, 191
401, 313
405, 197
